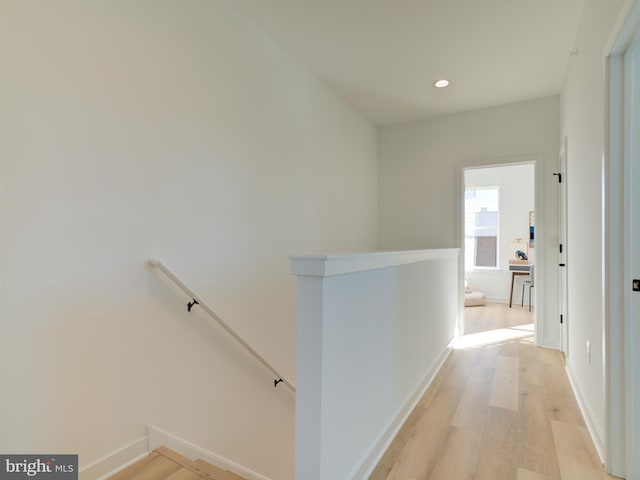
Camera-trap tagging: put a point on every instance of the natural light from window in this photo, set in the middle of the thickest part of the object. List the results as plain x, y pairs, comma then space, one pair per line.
481, 219
522, 333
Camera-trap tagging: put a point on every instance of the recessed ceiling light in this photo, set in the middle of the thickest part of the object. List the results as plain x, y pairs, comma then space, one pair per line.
441, 83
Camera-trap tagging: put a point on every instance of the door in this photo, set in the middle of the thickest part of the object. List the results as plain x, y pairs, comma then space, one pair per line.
562, 248
622, 247
632, 253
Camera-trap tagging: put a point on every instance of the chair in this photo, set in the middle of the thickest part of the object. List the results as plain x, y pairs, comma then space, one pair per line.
528, 283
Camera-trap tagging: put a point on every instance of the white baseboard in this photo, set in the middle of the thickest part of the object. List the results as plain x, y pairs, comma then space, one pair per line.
553, 344
371, 459
159, 437
116, 461
497, 300
156, 437
587, 413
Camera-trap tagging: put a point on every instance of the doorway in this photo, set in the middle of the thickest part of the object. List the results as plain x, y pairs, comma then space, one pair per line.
498, 239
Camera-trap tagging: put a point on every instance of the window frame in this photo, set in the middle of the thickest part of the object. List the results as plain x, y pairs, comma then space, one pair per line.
479, 268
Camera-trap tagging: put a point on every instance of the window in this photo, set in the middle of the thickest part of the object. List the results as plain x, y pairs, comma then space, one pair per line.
481, 227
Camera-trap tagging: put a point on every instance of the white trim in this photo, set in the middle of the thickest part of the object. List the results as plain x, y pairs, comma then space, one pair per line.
613, 282
156, 437
116, 461
553, 344
624, 30
339, 264
504, 300
460, 241
563, 236
159, 437
540, 259
485, 270
371, 459
592, 425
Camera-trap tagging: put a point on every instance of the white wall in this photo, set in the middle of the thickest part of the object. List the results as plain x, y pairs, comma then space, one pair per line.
516, 200
583, 124
372, 331
170, 129
418, 164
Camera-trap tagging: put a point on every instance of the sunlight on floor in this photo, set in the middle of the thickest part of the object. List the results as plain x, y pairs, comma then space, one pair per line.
501, 335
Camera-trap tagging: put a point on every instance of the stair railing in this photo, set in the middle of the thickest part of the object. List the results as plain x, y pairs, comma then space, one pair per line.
197, 300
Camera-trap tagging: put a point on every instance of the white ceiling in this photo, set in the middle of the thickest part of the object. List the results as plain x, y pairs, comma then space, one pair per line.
383, 56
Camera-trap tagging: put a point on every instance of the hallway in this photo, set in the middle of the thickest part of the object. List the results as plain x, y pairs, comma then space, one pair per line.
500, 408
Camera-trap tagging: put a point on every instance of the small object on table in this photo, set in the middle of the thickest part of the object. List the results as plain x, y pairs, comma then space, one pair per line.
520, 254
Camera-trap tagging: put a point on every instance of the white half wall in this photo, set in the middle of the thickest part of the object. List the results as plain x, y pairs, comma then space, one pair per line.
170, 129
372, 331
583, 124
516, 199
419, 184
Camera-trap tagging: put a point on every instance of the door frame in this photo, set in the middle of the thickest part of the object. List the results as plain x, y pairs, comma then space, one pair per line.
563, 256
539, 232
621, 442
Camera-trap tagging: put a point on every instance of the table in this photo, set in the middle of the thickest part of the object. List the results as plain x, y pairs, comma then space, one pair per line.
516, 270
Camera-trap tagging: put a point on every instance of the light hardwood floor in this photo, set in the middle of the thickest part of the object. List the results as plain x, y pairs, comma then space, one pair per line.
166, 464
499, 409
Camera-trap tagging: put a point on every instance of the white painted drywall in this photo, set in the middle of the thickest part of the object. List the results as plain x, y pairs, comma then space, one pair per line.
168, 129
418, 181
583, 124
368, 343
516, 199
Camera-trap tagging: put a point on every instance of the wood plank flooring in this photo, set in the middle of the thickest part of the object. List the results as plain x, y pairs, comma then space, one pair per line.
499, 409
166, 464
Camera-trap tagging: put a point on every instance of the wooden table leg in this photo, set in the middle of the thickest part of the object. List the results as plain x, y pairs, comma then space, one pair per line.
513, 277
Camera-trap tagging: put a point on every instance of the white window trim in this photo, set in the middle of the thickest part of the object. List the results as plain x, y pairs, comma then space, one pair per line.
498, 267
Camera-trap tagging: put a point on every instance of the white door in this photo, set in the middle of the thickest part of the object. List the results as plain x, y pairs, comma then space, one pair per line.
632, 253
622, 242
562, 247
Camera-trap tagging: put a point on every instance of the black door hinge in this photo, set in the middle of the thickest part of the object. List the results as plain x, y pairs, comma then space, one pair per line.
559, 177
560, 248
561, 319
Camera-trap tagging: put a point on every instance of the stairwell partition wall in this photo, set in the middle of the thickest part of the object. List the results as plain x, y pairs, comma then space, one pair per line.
372, 330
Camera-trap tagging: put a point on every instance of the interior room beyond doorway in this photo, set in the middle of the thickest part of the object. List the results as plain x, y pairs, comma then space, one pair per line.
499, 235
